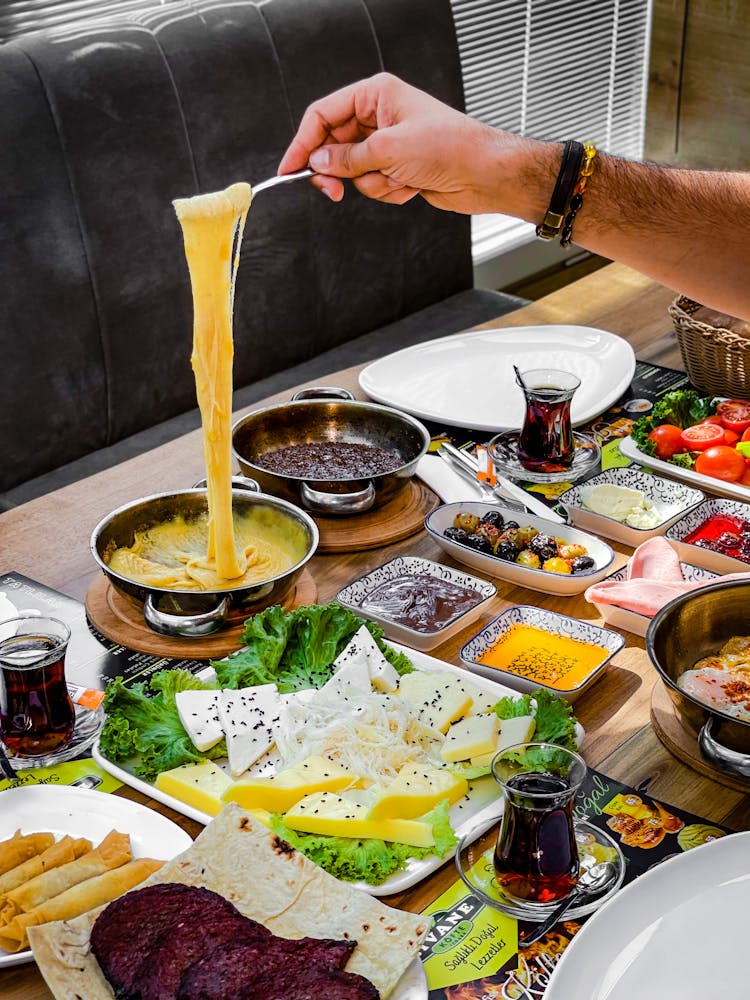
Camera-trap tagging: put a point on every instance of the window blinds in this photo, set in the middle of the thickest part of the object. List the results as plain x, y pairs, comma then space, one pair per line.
554, 69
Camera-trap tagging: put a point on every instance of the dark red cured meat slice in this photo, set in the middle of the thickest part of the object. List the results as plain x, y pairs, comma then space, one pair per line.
237, 972
124, 932
185, 942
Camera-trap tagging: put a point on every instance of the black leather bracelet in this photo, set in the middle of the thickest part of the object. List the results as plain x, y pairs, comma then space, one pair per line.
550, 226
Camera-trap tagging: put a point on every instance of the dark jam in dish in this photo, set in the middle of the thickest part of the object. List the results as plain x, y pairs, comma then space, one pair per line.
423, 603
724, 533
330, 460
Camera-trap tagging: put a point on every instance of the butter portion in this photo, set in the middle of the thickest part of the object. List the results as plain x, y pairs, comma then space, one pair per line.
623, 504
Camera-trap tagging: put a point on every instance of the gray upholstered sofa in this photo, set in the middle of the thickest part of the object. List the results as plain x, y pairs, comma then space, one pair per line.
103, 123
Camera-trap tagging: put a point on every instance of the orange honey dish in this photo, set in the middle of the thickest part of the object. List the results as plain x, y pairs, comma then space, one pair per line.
542, 657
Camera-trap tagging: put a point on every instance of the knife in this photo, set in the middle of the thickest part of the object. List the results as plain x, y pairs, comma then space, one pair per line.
505, 486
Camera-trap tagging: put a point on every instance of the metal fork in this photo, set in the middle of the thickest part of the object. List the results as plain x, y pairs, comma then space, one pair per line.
488, 493
281, 179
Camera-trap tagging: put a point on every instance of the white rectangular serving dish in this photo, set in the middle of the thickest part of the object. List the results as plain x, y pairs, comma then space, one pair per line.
735, 491
563, 585
717, 562
353, 596
473, 814
668, 499
632, 621
548, 621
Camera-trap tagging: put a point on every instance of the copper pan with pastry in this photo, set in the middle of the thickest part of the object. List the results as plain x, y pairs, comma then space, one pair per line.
191, 556
156, 550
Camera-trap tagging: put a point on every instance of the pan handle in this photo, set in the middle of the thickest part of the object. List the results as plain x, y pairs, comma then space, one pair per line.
322, 392
185, 625
729, 761
337, 503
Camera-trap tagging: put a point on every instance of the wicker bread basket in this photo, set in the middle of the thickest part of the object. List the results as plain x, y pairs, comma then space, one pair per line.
717, 359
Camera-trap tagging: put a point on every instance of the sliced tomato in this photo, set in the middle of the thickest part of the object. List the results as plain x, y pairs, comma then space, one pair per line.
745, 435
728, 404
721, 462
667, 439
715, 418
745, 481
736, 418
730, 437
702, 436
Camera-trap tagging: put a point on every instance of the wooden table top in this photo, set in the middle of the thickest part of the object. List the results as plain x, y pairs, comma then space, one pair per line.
48, 540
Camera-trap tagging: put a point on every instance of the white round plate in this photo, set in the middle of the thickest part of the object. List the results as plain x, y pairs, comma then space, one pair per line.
467, 379
412, 985
679, 930
80, 812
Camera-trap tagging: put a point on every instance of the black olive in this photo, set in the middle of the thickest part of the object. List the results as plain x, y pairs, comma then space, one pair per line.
493, 517
545, 546
512, 524
478, 542
456, 534
582, 563
506, 550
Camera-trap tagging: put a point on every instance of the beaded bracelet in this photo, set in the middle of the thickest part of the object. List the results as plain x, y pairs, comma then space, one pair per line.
570, 164
585, 171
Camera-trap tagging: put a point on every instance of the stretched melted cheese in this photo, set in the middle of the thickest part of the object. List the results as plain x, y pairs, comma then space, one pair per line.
212, 226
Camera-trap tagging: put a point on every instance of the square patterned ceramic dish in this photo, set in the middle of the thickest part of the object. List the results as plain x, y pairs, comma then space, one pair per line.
417, 601
724, 525
663, 502
573, 656
562, 584
632, 621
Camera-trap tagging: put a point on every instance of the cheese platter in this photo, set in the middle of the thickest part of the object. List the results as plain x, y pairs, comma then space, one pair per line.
346, 760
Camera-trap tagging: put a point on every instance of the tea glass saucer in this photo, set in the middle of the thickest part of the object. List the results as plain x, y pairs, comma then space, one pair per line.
503, 450
478, 874
86, 729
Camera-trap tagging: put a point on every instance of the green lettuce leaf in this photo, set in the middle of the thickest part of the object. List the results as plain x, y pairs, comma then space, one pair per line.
512, 706
296, 650
142, 721
555, 722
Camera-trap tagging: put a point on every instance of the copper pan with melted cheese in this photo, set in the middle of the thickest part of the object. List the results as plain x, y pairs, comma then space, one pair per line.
198, 602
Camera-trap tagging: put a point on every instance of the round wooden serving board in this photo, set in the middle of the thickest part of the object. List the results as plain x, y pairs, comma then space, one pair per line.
399, 518
684, 744
120, 619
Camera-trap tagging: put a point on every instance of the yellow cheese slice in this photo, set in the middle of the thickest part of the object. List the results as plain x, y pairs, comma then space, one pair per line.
415, 790
279, 792
212, 226
517, 730
470, 737
438, 696
336, 816
198, 785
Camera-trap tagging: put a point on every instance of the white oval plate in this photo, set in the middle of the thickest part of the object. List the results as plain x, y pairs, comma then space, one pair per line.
467, 379
80, 812
679, 930
563, 585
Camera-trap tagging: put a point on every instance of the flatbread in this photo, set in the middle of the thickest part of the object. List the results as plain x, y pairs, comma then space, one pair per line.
237, 856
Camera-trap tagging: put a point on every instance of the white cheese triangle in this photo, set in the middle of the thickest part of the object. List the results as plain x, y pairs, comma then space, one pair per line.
249, 717
199, 714
383, 676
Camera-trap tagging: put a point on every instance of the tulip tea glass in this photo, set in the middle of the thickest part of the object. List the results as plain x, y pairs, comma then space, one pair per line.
546, 442
37, 715
536, 857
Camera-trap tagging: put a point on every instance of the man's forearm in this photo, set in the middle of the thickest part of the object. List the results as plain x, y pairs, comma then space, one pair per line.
688, 229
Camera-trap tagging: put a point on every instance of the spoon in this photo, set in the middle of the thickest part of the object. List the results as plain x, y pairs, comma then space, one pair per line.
519, 379
593, 880
281, 179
